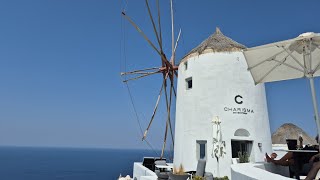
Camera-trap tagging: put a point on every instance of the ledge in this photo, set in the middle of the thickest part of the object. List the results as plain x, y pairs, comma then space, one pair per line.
261, 171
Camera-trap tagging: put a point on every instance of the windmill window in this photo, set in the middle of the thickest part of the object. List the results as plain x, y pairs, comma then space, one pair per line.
189, 83
186, 65
201, 149
242, 132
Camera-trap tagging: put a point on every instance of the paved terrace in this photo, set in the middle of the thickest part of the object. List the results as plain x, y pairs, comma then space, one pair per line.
242, 171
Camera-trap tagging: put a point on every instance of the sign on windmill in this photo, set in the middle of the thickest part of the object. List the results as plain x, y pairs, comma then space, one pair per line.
168, 69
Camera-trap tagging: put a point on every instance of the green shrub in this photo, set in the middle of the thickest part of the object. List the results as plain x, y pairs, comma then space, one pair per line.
243, 157
221, 178
197, 178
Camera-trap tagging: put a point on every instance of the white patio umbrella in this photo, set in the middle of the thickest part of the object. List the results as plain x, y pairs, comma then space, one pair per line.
218, 149
290, 59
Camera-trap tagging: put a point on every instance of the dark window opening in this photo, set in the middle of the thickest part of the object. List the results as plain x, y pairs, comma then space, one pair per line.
240, 146
189, 83
201, 149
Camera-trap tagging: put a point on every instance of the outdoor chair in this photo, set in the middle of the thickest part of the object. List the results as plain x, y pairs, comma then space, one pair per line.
301, 165
201, 166
178, 176
158, 158
297, 170
148, 162
292, 144
160, 162
161, 173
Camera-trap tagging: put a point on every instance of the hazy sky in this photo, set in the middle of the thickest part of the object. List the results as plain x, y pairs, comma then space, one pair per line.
60, 64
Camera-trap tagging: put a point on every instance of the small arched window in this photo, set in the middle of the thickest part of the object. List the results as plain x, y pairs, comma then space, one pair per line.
242, 132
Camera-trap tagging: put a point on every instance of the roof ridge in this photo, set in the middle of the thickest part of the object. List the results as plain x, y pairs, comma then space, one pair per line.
217, 42
218, 31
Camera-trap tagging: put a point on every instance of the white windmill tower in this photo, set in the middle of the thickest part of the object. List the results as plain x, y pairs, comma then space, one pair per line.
214, 81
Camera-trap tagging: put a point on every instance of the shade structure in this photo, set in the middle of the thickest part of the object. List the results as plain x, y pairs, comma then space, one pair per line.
290, 59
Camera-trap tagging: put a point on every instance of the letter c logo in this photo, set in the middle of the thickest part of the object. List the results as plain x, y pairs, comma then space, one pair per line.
236, 99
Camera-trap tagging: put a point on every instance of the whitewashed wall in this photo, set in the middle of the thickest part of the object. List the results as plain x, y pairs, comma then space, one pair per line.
140, 172
260, 171
217, 79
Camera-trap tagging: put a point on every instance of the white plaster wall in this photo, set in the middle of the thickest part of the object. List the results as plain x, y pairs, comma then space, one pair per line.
217, 79
142, 173
260, 171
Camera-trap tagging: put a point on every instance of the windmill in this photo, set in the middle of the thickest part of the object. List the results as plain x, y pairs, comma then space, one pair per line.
168, 69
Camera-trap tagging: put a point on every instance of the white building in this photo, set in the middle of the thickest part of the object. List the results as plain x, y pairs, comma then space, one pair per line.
213, 81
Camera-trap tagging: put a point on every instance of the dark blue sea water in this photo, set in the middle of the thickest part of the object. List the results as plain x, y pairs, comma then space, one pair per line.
28, 163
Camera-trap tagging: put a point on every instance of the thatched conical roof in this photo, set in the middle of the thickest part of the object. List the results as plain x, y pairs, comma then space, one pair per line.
217, 42
290, 131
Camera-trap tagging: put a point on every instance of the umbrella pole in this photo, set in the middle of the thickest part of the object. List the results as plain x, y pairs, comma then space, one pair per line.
315, 104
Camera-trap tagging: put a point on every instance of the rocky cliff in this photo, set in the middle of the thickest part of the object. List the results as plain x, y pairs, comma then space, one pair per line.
291, 131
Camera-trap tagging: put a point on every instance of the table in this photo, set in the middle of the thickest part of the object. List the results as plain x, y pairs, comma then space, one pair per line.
297, 150
164, 166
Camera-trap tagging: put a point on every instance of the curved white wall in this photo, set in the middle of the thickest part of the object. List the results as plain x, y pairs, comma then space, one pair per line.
217, 78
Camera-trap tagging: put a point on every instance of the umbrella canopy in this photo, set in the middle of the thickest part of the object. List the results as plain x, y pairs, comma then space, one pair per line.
290, 59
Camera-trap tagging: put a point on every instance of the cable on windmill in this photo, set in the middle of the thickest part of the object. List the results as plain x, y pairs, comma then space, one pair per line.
168, 68
123, 56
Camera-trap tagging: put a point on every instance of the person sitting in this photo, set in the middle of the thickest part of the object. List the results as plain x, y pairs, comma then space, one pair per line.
290, 157
287, 159
273, 155
315, 166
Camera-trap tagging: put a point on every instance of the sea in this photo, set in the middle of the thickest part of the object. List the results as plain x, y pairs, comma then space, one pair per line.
34, 163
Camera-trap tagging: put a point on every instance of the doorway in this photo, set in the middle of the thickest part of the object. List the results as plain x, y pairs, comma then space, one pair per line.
240, 146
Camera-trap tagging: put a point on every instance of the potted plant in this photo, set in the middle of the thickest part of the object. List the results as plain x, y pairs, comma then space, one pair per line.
243, 157
179, 174
221, 178
197, 178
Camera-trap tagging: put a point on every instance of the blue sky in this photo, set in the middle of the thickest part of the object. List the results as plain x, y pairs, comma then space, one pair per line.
60, 64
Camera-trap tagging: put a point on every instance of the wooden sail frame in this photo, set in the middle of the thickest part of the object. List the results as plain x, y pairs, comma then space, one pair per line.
168, 68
